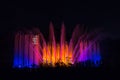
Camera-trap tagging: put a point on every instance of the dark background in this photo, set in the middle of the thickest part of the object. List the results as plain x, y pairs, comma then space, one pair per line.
20, 14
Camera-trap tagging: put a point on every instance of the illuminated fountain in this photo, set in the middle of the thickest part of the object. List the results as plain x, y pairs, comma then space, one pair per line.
31, 49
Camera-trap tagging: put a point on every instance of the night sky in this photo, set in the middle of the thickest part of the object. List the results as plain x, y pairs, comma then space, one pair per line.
18, 15
39, 14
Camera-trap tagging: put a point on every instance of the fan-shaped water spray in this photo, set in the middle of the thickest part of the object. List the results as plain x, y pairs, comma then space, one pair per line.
31, 49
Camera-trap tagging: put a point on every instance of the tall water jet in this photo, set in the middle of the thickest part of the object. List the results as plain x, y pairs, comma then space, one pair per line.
62, 43
53, 44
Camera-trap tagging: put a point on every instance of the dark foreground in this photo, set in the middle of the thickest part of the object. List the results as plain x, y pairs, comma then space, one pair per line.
59, 73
